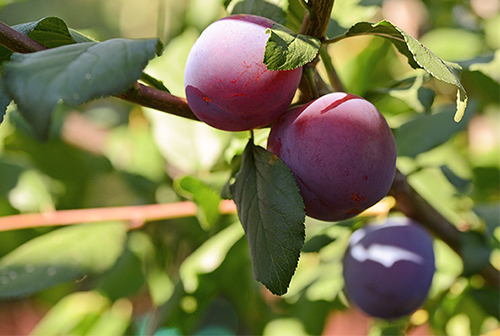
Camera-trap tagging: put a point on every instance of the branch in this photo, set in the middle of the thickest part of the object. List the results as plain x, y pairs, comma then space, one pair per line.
317, 18
409, 202
136, 215
315, 24
140, 94
158, 100
18, 42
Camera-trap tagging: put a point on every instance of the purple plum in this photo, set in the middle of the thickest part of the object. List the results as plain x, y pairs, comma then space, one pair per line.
388, 268
227, 84
341, 152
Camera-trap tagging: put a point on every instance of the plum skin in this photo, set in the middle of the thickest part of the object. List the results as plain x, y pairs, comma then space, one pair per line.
388, 268
341, 152
227, 84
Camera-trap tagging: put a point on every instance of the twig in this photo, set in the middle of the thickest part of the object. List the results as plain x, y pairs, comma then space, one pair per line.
317, 18
18, 42
140, 94
136, 215
413, 205
158, 100
315, 23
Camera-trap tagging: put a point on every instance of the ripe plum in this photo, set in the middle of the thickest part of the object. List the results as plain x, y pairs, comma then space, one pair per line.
227, 84
388, 268
341, 152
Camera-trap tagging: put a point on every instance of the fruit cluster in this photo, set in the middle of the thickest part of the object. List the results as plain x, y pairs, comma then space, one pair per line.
338, 147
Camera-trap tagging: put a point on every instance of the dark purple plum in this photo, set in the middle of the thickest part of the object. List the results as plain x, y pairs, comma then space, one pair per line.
388, 268
341, 152
227, 84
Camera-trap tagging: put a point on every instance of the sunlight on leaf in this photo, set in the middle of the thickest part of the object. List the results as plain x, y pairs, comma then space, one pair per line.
61, 255
286, 50
208, 257
418, 55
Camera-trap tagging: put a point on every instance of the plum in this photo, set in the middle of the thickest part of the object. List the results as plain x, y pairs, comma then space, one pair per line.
388, 268
341, 152
227, 84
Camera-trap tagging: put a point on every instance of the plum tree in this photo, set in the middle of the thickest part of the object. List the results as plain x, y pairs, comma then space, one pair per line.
341, 152
227, 84
388, 268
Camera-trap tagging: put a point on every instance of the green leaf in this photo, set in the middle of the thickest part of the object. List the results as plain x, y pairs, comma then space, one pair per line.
475, 252
272, 9
271, 211
86, 313
209, 256
488, 298
412, 92
490, 213
428, 131
489, 65
418, 55
60, 256
51, 32
75, 73
316, 243
459, 183
205, 197
4, 100
286, 50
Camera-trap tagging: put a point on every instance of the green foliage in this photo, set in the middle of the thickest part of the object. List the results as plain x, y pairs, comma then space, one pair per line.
275, 10
427, 131
418, 56
196, 275
62, 255
207, 199
272, 213
286, 50
75, 73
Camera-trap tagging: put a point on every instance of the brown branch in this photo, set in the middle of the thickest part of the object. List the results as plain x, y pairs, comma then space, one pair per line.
413, 205
136, 215
315, 23
139, 94
18, 42
317, 18
159, 100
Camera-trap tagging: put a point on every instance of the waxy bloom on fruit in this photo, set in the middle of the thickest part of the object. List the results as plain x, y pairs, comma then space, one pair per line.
388, 267
341, 152
227, 84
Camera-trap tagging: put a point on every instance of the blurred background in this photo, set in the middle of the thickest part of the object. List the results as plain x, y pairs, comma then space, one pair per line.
193, 275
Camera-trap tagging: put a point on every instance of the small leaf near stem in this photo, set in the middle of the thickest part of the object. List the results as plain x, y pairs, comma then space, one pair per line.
153, 82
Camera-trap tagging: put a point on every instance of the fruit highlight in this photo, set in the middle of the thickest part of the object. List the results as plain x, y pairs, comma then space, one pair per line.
388, 267
227, 84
